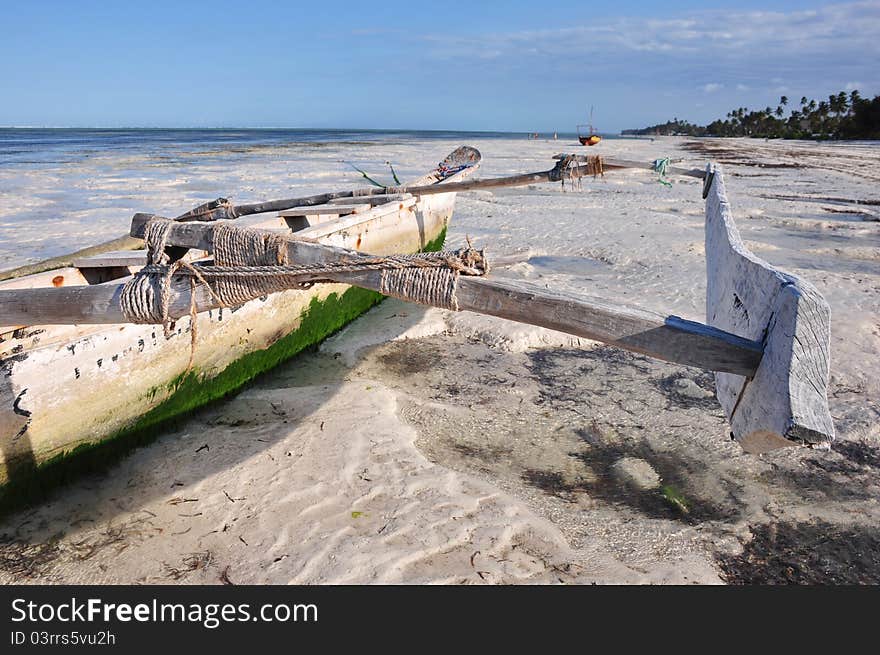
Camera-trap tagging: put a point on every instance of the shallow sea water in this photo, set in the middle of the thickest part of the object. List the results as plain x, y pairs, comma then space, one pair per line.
65, 189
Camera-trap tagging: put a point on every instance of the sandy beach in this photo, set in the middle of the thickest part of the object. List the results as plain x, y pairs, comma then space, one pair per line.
425, 446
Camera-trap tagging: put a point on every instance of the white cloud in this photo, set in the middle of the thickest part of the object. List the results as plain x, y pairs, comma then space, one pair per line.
712, 87
835, 32
742, 87
853, 86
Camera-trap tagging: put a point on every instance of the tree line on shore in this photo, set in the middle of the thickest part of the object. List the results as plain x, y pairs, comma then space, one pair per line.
841, 116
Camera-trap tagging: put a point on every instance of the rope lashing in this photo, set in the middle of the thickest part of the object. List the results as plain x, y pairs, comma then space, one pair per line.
661, 166
574, 167
594, 166
237, 246
235, 285
251, 264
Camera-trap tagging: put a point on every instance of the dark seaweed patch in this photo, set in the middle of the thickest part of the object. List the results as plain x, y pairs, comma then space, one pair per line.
857, 456
564, 391
485, 453
408, 361
551, 482
848, 472
677, 498
806, 553
669, 385
680, 495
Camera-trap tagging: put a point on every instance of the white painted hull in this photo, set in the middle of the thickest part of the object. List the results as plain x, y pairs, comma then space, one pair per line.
62, 387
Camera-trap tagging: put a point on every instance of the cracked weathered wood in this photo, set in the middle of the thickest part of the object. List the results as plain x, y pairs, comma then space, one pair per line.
785, 402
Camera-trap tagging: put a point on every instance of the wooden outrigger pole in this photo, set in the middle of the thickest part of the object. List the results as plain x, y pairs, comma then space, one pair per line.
766, 336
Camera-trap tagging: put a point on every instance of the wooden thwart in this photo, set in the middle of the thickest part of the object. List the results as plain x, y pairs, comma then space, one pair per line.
121, 243
336, 209
112, 259
379, 199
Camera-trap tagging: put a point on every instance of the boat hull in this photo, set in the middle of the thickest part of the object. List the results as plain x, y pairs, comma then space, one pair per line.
66, 389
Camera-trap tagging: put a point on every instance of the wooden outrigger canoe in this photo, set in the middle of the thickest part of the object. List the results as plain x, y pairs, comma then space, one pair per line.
766, 335
68, 386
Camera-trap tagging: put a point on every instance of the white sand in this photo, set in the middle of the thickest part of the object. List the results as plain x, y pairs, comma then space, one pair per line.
422, 446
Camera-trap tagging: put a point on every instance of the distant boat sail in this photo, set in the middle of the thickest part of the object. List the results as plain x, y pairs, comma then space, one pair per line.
590, 138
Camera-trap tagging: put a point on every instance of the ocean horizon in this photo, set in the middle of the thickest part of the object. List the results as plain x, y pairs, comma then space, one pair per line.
36, 145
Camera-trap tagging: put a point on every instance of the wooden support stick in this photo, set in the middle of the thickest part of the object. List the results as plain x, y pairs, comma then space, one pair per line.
665, 337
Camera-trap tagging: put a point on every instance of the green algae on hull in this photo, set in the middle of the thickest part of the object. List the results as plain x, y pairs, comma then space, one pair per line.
189, 391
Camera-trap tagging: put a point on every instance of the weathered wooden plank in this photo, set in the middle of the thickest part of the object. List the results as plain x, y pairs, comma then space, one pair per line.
121, 243
58, 277
334, 208
378, 199
670, 338
353, 221
134, 258
113, 258
785, 402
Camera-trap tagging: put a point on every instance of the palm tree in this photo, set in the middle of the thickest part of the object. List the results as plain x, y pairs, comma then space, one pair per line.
822, 116
783, 100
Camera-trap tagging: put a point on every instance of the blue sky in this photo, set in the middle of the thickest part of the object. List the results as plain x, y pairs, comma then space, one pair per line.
518, 66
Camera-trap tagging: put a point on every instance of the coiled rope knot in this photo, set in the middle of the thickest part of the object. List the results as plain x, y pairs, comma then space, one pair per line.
250, 264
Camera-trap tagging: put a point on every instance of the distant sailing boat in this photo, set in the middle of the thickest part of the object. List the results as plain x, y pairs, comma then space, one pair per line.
590, 138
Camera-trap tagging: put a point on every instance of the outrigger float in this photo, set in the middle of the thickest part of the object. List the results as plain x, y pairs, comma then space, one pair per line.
117, 342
